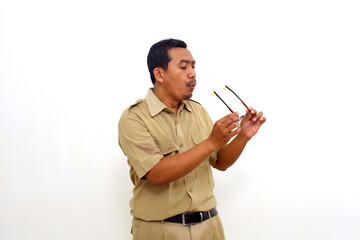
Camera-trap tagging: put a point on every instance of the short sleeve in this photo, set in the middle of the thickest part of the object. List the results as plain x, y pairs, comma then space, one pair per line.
137, 143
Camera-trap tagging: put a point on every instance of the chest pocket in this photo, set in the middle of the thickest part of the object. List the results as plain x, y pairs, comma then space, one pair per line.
198, 138
167, 146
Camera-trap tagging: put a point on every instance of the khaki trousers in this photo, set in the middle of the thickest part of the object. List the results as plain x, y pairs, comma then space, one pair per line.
210, 229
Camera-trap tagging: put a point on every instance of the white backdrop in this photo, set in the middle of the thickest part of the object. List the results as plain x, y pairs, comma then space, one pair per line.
69, 68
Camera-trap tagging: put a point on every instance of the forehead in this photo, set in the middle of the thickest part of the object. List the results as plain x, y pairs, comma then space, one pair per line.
180, 54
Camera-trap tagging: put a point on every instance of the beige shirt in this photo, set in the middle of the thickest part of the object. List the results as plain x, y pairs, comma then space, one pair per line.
149, 131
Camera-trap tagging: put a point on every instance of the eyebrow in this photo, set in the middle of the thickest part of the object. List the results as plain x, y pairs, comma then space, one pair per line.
186, 61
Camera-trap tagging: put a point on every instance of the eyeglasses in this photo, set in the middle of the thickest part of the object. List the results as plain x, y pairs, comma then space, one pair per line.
229, 89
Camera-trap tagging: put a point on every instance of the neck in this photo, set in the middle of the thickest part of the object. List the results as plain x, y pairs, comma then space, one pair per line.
169, 101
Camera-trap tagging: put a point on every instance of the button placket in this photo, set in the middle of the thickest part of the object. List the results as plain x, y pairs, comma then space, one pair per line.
179, 132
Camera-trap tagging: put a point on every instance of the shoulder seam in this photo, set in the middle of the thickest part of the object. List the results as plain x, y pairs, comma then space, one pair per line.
136, 103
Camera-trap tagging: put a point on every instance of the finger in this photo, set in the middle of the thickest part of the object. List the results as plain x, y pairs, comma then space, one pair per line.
232, 126
227, 116
250, 109
253, 112
258, 116
229, 119
261, 120
247, 115
234, 132
250, 113
234, 116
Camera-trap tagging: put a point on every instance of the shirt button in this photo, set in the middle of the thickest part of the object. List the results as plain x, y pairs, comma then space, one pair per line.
181, 145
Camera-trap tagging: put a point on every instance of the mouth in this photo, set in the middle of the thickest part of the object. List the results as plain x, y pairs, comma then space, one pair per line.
191, 84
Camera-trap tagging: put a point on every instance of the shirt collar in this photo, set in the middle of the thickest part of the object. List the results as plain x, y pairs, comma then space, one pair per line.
155, 105
187, 105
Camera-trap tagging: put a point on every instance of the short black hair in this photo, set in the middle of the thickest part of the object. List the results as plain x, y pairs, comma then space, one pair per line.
158, 54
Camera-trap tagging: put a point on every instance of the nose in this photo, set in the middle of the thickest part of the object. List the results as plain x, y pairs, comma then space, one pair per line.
192, 73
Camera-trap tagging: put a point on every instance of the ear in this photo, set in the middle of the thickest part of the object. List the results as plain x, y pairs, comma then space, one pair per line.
158, 74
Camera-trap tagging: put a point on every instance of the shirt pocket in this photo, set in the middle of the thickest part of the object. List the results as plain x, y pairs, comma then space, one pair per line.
197, 139
167, 146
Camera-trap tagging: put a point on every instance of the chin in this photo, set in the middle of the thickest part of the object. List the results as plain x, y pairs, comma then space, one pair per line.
186, 97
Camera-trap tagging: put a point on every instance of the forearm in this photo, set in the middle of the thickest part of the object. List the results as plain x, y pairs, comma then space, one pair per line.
229, 153
173, 167
176, 166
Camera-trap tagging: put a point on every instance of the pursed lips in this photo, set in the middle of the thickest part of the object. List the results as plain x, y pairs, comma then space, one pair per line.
191, 84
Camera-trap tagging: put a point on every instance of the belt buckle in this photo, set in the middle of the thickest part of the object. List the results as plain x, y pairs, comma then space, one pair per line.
184, 223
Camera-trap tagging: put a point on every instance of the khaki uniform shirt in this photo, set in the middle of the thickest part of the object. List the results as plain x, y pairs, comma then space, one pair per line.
149, 131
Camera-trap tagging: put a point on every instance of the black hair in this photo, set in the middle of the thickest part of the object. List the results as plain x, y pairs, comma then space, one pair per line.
158, 54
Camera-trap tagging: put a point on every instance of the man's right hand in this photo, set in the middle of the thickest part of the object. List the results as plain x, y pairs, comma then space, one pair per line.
224, 129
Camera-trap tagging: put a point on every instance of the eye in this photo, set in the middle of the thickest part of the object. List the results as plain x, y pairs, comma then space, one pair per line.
183, 67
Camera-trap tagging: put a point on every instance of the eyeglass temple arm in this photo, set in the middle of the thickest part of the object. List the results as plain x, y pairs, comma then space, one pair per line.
238, 98
223, 102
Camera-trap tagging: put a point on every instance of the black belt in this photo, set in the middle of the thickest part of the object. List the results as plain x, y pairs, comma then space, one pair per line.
191, 218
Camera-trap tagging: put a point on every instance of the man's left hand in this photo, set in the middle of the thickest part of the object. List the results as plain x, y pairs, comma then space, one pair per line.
251, 124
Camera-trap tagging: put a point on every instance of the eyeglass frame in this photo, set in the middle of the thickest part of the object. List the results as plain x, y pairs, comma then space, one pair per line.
227, 88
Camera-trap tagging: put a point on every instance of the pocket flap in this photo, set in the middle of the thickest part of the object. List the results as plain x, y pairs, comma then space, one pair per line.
197, 138
167, 145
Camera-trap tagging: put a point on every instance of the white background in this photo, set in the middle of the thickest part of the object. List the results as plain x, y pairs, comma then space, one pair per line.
69, 68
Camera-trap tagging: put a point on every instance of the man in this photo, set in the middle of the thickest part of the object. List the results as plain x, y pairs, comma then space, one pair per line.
170, 142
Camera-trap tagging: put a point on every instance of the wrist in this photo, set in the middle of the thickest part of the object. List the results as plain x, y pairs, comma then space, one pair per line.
243, 137
211, 146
